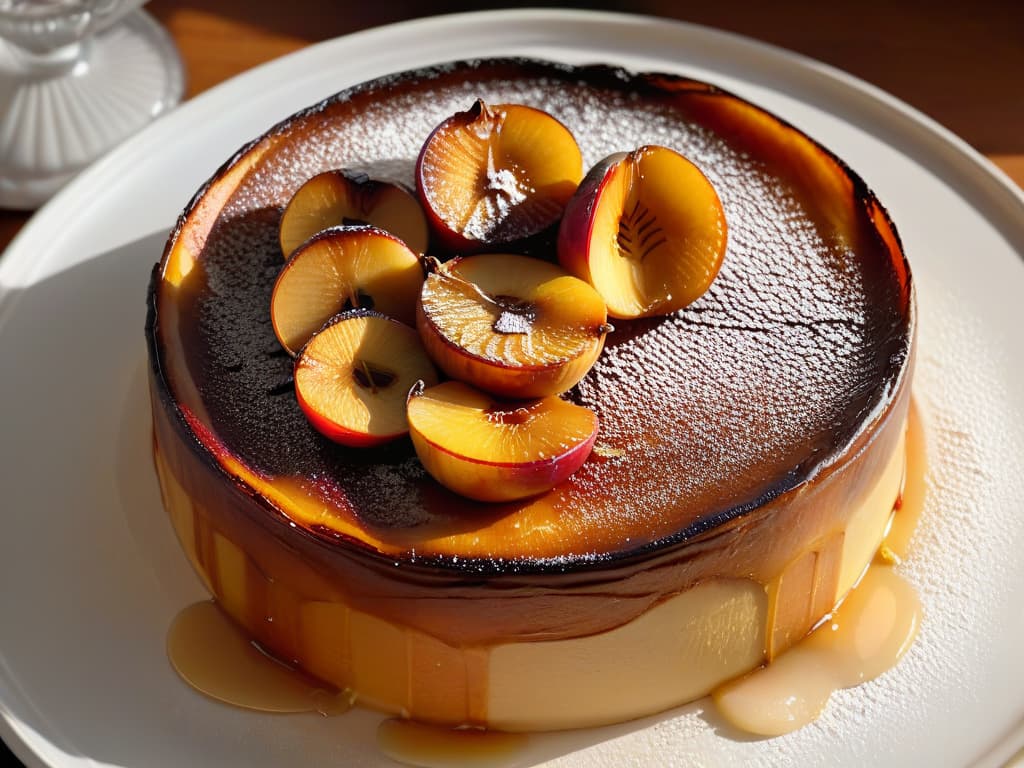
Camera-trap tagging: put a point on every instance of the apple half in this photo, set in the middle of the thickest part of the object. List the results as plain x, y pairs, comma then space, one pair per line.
343, 268
490, 449
351, 197
647, 230
495, 175
511, 325
352, 378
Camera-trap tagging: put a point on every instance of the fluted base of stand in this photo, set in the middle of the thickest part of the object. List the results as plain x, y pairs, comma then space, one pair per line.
58, 115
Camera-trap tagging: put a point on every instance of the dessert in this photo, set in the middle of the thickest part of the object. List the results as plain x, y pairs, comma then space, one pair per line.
748, 460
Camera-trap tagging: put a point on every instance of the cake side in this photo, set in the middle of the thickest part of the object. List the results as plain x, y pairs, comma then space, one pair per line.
460, 649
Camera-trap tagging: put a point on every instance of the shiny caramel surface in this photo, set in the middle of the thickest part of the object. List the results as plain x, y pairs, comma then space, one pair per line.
791, 362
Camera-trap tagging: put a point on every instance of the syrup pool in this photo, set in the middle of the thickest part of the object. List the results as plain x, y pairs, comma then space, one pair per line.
212, 654
866, 636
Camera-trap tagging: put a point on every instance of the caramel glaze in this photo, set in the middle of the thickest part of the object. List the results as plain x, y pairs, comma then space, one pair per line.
740, 430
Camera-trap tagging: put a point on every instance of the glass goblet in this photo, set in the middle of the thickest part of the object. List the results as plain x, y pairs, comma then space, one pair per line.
76, 78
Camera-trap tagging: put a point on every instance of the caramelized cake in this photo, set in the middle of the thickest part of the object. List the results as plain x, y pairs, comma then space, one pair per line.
750, 453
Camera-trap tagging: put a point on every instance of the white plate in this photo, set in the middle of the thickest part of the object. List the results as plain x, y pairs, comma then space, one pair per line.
90, 569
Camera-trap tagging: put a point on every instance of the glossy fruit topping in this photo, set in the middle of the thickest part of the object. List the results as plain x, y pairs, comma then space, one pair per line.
491, 449
494, 175
647, 230
353, 377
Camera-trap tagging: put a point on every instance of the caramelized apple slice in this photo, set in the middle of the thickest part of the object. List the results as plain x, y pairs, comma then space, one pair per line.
344, 196
343, 268
498, 450
511, 325
494, 175
353, 378
647, 230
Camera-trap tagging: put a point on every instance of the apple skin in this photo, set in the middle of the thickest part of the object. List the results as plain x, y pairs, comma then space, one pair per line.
492, 481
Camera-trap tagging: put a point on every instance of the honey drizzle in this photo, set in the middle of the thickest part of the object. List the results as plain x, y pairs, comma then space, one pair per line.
477, 663
214, 656
866, 636
911, 501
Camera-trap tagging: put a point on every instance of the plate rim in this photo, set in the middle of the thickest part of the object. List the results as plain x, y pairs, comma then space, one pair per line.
17, 259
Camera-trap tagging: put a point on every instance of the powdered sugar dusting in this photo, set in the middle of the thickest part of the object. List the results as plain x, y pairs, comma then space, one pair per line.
704, 410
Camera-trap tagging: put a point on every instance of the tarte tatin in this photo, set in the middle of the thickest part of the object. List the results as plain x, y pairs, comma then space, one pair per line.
750, 452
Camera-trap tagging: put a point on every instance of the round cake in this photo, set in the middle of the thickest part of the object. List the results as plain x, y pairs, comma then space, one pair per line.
749, 458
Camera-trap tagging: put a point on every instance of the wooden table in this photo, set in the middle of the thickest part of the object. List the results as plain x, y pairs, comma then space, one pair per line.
959, 63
